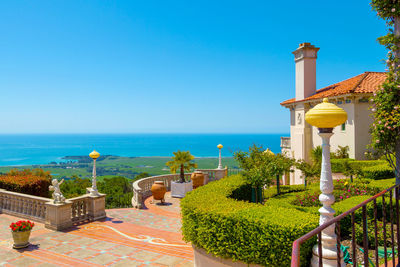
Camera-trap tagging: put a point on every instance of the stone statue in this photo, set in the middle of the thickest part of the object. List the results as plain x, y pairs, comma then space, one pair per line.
57, 195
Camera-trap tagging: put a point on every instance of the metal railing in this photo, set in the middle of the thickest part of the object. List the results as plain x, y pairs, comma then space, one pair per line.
390, 220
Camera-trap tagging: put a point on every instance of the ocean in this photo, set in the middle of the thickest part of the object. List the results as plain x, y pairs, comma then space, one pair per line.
29, 149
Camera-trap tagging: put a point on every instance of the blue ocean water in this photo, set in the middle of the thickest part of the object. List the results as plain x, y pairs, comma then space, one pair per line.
43, 148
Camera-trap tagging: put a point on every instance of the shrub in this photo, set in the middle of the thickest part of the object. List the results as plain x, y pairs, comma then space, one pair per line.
33, 182
253, 233
371, 234
378, 172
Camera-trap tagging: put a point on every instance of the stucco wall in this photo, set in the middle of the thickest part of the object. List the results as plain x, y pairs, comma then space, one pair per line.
363, 120
341, 138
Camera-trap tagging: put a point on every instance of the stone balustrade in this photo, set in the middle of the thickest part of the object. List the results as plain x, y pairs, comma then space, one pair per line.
56, 216
141, 188
80, 208
22, 205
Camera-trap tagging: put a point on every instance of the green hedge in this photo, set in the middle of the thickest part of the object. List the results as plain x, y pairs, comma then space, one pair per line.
253, 233
378, 172
370, 169
262, 234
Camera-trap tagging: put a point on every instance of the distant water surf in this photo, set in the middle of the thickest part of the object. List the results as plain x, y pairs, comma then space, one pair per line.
44, 148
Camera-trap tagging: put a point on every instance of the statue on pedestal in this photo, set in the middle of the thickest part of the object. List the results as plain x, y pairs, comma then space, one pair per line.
57, 195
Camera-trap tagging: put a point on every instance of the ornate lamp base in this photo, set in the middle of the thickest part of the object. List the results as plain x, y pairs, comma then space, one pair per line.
329, 258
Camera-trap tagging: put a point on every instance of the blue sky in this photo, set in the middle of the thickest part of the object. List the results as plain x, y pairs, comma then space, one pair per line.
171, 66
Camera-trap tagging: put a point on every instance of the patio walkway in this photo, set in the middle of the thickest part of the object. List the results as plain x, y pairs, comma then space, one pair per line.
128, 237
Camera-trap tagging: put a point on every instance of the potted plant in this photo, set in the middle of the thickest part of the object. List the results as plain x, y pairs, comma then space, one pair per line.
21, 231
182, 161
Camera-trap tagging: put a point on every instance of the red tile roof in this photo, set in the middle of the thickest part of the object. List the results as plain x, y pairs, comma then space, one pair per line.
367, 82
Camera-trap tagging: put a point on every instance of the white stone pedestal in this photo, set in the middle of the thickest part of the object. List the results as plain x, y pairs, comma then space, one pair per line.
180, 189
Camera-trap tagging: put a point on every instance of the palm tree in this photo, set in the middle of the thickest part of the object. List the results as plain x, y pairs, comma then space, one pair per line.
181, 160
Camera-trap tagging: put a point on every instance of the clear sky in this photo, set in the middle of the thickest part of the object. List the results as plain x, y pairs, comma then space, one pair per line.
171, 66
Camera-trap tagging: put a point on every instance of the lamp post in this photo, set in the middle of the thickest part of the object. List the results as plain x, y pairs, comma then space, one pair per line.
220, 159
93, 191
325, 116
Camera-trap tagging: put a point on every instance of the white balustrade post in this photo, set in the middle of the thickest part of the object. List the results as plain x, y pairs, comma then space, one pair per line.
220, 157
328, 236
93, 191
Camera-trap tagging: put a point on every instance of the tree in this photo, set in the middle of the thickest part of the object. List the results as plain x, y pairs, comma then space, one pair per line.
386, 102
308, 170
262, 166
342, 152
183, 161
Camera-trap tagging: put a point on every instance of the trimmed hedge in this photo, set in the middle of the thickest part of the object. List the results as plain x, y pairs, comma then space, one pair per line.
262, 234
253, 233
33, 182
370, 169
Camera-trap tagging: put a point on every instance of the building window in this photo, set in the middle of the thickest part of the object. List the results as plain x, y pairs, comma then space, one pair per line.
343, 127
363, 100
339, 102
348, 101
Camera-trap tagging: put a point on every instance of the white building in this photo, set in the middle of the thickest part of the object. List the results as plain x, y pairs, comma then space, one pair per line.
352, 95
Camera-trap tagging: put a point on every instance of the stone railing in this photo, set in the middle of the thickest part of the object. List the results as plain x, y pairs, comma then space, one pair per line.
80, 208
285, 142
55, 216
141, 188
22, 205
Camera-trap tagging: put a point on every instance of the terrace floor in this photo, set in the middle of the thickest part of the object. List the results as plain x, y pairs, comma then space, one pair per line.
127, 237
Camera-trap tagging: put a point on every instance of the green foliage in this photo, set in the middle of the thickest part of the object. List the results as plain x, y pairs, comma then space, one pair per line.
141, 175
183, 161
262, 166
342, 152
284, 189
378, 172
118, 190
371, 234
308, 170
316, 155
386, 101
253, 233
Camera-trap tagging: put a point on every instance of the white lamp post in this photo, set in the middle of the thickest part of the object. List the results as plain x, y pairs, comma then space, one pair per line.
325, 117
220, 159
93, 191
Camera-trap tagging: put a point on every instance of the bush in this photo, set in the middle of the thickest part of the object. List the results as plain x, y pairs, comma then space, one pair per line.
253, 233
371, 234
378, 172
33, 182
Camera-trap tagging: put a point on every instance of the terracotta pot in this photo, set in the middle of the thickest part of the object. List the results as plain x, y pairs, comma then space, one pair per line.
197, 178
21, 239
158, 190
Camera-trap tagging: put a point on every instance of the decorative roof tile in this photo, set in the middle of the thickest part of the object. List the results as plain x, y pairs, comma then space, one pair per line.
367, 82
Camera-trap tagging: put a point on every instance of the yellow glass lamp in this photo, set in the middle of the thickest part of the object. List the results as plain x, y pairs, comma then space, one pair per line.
94, 155
326, 115
220, 146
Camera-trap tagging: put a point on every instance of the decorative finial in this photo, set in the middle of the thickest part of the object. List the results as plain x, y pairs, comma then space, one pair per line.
94, 154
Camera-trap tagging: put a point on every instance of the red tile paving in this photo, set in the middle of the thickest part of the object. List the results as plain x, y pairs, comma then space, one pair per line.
128, 237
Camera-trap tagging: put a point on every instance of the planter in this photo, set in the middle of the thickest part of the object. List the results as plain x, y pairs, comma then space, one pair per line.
158, 190
180, 189
21, 239
197, 178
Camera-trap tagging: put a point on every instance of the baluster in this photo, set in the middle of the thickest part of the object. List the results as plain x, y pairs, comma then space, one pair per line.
20, 204
43, 211
34, 208
85, 207
74, 210
39, 209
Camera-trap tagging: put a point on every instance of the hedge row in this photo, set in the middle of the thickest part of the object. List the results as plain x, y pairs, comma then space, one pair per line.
371, 169
239, 230
33, 182
255, 233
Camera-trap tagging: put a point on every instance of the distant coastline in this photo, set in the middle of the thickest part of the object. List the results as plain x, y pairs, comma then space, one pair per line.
36, 149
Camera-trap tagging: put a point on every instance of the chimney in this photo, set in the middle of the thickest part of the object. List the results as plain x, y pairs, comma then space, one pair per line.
305, 57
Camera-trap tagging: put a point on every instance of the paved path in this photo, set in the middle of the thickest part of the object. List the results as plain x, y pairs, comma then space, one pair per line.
128, 237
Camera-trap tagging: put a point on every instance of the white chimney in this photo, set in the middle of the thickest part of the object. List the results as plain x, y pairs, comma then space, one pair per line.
305, 57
